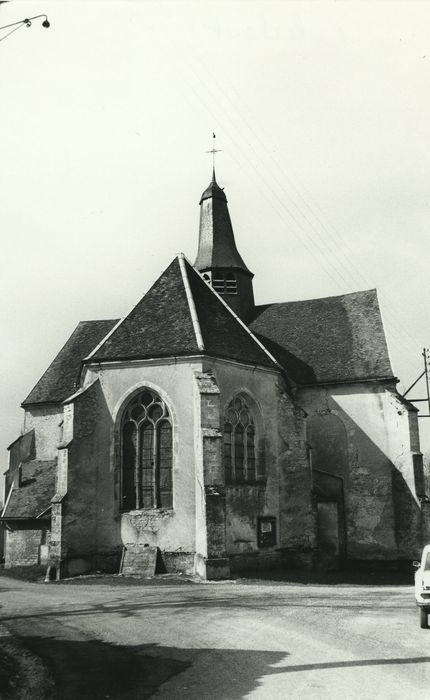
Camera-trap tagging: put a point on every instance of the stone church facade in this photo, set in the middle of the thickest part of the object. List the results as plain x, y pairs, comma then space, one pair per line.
225, 434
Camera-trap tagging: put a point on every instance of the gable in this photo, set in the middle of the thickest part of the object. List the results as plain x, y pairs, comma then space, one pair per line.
333, 339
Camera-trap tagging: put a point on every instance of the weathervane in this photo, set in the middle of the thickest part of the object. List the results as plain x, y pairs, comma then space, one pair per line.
213, 151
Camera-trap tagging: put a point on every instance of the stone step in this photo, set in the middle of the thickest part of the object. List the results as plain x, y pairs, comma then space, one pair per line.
140, 560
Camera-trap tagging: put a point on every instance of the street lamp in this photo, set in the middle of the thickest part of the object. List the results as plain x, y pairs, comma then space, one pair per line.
24, 23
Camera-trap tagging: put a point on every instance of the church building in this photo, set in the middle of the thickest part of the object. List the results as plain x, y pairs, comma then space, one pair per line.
222, 434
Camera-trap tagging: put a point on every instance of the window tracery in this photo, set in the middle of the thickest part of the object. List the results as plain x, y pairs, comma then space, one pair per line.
239, 442
146, 431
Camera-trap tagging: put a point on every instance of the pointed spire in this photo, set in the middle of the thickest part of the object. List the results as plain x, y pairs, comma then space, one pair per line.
217, 247
218, 258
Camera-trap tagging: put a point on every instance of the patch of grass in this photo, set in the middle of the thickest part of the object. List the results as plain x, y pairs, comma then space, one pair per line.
9, 675
35, 574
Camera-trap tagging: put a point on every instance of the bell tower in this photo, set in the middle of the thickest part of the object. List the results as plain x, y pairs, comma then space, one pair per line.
218, 258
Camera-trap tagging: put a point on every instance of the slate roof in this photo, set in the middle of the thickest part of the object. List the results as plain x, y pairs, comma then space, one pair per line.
331, 339
34, 495
223, 335
161, 324
59, 380
217, 247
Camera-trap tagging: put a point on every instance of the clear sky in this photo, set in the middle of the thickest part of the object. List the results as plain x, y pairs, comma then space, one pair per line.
322, 112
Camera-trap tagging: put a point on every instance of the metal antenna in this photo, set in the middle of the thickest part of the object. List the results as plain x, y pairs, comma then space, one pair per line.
213, 151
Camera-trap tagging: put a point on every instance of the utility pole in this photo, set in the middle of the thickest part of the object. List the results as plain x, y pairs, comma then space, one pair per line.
425, 373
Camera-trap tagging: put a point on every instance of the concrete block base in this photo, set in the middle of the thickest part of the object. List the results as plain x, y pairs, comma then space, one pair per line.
217, 569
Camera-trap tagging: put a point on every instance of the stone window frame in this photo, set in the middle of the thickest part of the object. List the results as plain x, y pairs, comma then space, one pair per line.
258, 474
169, 416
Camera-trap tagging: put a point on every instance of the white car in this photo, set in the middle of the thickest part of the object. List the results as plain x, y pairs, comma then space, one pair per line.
422, 586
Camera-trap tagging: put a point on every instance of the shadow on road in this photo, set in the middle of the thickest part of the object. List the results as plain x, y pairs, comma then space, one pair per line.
87, 669
95, 670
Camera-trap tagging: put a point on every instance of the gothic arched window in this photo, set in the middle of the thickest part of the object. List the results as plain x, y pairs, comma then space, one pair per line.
239, 442
146, 434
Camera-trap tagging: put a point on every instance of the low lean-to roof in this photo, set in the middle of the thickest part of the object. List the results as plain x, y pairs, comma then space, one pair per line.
161, 324
333, 339
59, 380
33, 496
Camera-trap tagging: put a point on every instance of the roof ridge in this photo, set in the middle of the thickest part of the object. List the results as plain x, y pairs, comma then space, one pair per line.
102, 342
97, 320
235, 316
331, 296
119, 322
190, 299
194, 319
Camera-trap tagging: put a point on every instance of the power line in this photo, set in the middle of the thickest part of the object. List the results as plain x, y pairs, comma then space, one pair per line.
335, 238
392, 320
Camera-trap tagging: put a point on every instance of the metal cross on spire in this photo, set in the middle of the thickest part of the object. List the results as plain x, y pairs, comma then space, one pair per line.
213, 151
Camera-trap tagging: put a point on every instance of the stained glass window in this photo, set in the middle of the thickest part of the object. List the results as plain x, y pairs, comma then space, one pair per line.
239, 443
146, 453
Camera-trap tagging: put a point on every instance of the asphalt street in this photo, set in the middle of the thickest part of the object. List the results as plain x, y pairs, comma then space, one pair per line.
215, 640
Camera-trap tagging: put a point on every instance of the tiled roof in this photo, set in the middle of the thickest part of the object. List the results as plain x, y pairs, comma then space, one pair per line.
335, 338
319, 340
223, 335
59, 380
34, 495
161, 324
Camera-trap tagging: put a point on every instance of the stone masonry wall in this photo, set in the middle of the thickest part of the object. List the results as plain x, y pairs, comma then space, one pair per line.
46, 422
282, 490
22, 547
89, 526
382, 510
216, 564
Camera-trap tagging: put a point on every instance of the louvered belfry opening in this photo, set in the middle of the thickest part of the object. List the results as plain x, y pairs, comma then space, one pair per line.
146, 433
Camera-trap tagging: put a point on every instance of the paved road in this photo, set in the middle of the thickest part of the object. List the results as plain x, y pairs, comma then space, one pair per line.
224, 641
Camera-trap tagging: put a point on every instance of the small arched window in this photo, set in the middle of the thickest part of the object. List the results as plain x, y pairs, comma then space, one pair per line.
239, 442
146, 432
